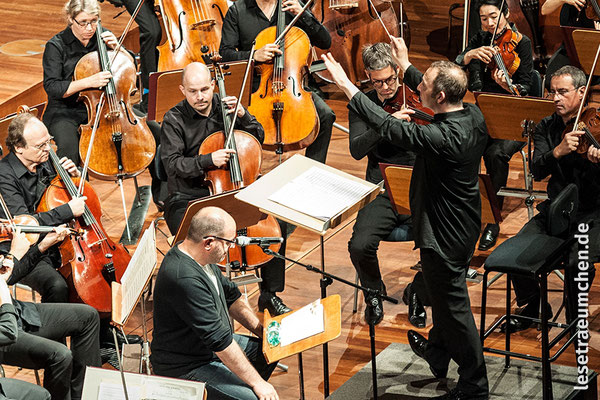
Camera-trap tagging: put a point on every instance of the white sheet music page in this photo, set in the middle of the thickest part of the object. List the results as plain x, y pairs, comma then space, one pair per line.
320, 193
305, 322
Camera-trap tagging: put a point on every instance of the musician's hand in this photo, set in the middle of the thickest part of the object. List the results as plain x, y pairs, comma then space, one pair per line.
19, 244
265, 391
98, 80
339, 76
221, 157
500, 79
593, 154
77, 206
483, 53
400, 53
56, 236
230, 102
578, 4
69, 166
404, 114
267, 52
293, 6
568, 144
110, 39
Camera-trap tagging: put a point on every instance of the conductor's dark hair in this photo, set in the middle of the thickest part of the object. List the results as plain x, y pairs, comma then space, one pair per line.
451, 80
495, 3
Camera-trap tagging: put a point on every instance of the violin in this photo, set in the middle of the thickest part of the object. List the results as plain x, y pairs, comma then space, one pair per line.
123, 145
282, 106
242, 169
592, 10
91, 261
193, 30
406, 98
26, 224
354, 24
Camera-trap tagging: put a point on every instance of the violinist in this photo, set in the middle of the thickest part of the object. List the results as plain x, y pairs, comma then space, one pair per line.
245, 19
184, 128
555, 156
32, 334
445, 205
377, 220
476, 55
64, 113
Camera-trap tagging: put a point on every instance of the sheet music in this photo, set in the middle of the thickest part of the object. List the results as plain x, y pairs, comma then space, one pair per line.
149, 390
320, 193
114, 391
139, 269
303, 323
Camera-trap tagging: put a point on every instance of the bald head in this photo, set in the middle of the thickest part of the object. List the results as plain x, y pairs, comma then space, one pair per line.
210, 221
197, 86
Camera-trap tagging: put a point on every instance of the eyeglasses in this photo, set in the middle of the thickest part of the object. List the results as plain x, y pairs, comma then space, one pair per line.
230, 243
560, 92
389, 81
42, 146
85, 24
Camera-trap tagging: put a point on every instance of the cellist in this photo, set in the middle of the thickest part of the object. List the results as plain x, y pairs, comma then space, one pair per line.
475, 57
184, 128
26, 173
245, 19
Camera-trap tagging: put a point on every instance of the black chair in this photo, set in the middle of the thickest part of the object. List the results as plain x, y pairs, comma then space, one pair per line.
537, 89
159, 168
536, 255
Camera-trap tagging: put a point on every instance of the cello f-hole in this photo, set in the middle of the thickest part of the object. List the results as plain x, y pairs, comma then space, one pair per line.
295, 91
220, 11
180, 26
263, 95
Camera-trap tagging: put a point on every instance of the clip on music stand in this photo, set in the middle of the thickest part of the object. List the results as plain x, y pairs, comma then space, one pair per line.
258, 194
524, 113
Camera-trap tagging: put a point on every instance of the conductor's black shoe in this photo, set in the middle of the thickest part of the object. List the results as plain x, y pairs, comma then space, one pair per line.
489, 237
418, 344
273, 303
373, 310
456, 394
416, 312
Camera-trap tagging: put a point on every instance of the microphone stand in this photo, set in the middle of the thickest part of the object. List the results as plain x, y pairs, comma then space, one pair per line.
326, 280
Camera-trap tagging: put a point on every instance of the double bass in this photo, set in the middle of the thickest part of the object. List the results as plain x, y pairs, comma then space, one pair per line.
123, 145
353, 24
282, 106
242, 169
90, 260
193, 30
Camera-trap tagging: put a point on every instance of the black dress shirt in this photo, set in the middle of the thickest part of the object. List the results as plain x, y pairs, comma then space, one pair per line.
572, 168
245, 20
183, 131
191, 319
522, 75
444, 191
23, 190
365, 141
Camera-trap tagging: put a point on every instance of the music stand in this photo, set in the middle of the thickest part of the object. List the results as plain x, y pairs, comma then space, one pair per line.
524, 113
258, 194
583, 48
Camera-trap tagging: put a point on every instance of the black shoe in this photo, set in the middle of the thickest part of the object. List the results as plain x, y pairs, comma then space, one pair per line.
456, 394
418, 344
108, 340
160, 205
416, 312
489, 237
373, 310
272, 303
518, 325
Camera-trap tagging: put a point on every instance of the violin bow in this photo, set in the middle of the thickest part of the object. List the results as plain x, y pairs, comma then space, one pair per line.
504, 70
587, 88
292, 22
126, 30
7, 213
86, 163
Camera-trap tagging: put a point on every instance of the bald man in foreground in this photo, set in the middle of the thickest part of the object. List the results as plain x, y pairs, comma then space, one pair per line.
184, 128
193, 338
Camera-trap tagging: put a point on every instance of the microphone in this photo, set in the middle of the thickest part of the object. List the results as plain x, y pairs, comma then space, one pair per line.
244, 241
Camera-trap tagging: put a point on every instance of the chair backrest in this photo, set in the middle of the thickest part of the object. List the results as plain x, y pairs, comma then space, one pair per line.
537, 88
159, 167
562, 210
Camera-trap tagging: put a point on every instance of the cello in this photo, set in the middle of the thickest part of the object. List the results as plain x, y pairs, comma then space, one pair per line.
123, 145
282, 106
353, 24
242, 169
90, 260
193, 30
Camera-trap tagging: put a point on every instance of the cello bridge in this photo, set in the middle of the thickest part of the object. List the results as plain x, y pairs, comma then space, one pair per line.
278, 86
342, 5
205, 23
113, 114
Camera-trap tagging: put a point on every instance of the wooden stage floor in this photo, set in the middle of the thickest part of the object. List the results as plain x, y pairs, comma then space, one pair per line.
29, 19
